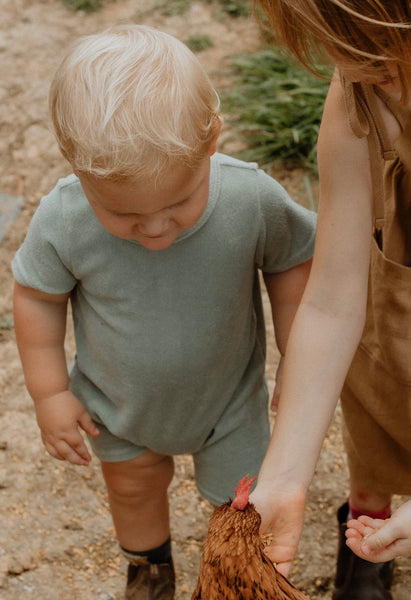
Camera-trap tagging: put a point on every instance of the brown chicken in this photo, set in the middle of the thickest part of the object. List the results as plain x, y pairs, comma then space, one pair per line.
233, 564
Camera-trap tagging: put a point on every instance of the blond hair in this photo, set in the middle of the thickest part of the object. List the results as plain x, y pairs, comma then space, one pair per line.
130, 102
364, 34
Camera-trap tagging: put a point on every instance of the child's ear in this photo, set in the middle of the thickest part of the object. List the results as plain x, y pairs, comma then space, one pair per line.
218, 124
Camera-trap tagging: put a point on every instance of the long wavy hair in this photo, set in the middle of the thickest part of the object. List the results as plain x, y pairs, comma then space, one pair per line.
360, 34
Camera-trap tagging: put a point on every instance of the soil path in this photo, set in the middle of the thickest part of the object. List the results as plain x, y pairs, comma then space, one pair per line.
56, 536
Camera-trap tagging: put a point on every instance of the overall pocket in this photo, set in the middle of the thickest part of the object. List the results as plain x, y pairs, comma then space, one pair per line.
387, 333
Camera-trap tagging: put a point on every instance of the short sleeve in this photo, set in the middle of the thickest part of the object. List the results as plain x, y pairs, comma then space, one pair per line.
42, 261
287, 233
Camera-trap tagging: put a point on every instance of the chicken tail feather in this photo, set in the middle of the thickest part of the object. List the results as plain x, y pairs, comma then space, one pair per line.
286, 590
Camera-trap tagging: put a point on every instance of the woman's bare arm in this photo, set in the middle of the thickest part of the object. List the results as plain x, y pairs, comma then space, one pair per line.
326, 330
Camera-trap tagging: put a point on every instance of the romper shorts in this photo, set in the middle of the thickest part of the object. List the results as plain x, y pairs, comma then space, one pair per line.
235, 447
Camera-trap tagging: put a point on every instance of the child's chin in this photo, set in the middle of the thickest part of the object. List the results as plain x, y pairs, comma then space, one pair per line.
160, 243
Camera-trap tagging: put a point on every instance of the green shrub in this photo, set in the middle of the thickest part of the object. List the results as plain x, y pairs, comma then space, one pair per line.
86, 5
235, 8
170, 8
197, 43
277, 107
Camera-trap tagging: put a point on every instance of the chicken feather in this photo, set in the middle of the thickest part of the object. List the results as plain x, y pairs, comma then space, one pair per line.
234, 565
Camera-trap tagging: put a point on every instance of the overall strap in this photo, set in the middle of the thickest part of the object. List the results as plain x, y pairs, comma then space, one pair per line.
366, 120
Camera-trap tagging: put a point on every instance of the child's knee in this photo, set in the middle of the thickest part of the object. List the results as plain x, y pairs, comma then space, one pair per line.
148, 473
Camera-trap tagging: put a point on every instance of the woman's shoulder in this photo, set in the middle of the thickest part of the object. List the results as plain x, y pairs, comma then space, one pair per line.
369, 107
339, 134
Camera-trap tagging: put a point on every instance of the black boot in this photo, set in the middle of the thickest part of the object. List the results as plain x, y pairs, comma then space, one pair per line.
147, 581
358, 579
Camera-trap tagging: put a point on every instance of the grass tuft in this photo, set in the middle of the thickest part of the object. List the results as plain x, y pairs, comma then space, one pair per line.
197, 43
172, 8
277, 108
234, 8
84, 5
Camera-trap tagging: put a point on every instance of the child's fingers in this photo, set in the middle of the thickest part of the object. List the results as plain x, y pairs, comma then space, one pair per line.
370, 522
62, 451
88, 425
353, 533
355, 544
53, 452
378, 543
357, 535
355, 529
364, 525
355, 524
381, 555
377, 540
365, 519
277, 388
274, 402
74, 450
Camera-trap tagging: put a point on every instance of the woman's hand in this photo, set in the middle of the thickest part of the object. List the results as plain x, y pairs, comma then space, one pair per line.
282, 515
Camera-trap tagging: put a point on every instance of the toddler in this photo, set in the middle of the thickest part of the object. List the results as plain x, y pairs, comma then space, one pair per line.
157, 241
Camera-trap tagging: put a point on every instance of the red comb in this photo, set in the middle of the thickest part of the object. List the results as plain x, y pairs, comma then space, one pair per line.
242, 493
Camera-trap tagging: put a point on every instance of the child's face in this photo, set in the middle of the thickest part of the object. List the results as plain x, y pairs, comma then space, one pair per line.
152, 215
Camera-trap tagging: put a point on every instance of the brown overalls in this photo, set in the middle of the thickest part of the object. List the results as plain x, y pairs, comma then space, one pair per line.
376, 398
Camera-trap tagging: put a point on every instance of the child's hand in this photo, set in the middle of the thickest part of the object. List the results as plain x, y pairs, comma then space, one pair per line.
379, 541
59, 418
277, 388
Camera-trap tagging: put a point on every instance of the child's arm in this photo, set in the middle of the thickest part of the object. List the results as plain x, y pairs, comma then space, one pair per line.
285, 291
40, 324
379, 541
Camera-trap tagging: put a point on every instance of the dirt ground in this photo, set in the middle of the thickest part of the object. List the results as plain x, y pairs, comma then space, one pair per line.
56, 536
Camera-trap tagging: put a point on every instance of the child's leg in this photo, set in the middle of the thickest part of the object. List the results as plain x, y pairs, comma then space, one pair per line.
357, 578
368, 502
137, 491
